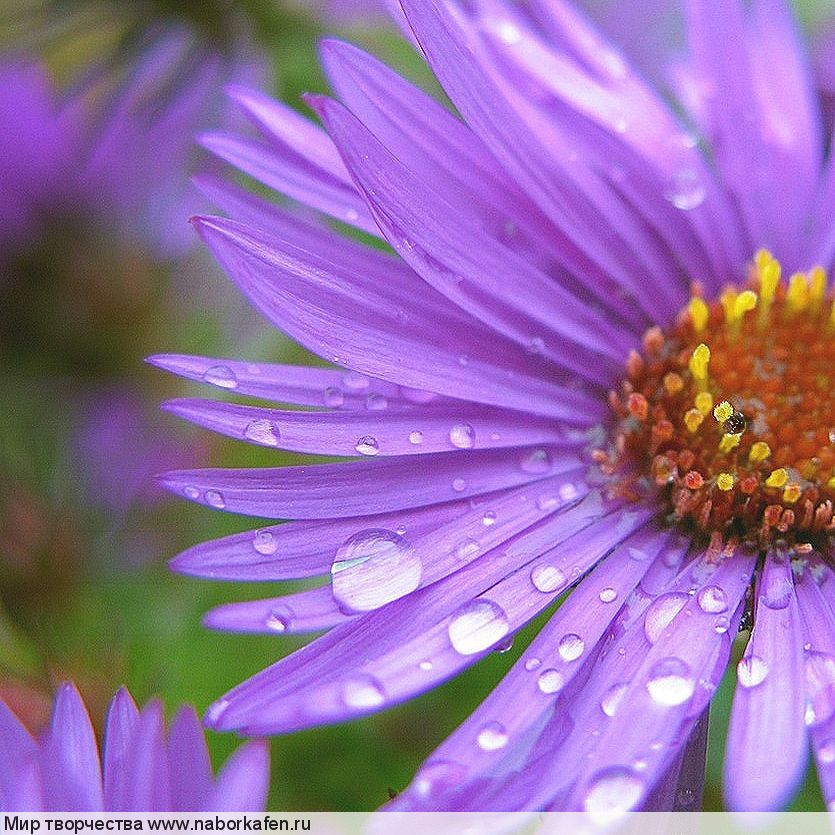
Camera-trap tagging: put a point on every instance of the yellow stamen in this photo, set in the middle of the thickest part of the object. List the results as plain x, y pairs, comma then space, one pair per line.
704, 402
699, 313
768, 269
831, 483
817, 287
698, 364
745, 301
673, 383
792, 493
778, 478
728, 302
725, 481
723, 411
729, 441
797, 296
759, 452
693, 420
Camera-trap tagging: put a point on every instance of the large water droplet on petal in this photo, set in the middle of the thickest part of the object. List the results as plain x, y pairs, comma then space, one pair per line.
492, 737
751, 671
671, 682
372, 568
362, 692
661, 613
536, 462
612, 698
462, 436
333, 397
571, 647
478, 626
221, 376
367, 445
551, 681
547, 578
712, 600
263, 432
279, 618
612, 793
215, 498
264, 543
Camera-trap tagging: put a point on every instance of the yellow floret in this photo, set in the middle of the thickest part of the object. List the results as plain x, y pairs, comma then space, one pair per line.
729, 441
759, 452
723, 411
698, 313
778, 478
797, 296
704, 402
693, 420
725, 481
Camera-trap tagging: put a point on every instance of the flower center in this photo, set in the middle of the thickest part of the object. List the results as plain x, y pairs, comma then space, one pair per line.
731, 411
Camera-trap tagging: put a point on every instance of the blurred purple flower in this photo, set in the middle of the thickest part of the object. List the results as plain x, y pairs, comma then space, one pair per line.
565, 215
116, 150
142, 769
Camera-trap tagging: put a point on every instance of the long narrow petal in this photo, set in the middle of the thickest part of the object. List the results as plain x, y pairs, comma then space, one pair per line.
122, 720
366, 487
243, 781
70, 767
767, 717
189, 768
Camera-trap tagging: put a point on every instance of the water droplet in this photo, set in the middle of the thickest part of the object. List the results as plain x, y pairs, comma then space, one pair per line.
416, 437
492, 737
547, 578
362, 692
478, 626
372, 568
467, 549
505, 645
777, 591
263, 432
352, 215
214, 498
489, 518
546, 503
532, 664
550, 681
713, 600
426, 666
661, 613
333, 397
376, 402
462, 436
671, 682
437, 776
637, 554
612, 698
355, 380
568, 492
685, 190
417, 395
612, 793
367, 445
571, 647
191, 492
751, 671
278, 620
826, 751
721, 625
608, 594
222, 376
536, 462
265, 543
458, 485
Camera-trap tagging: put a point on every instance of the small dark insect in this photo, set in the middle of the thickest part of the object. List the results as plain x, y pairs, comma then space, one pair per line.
735, 424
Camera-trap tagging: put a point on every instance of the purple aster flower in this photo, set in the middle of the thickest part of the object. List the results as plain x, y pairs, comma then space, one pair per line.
593, 362
142, 769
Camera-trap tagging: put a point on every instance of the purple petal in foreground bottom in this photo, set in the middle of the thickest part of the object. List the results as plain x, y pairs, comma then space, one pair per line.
767, 717
243, 781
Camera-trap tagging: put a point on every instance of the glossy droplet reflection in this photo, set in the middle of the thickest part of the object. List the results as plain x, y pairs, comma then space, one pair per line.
462, 436
547, 578
263, 432
264, 542
478, 626
671, 682
372, 568
221, 376
363, 692
571, 647
492, 737
367, 445
751, 671
612, 793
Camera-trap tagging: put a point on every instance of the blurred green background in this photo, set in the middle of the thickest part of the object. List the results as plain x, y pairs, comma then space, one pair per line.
84, 589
